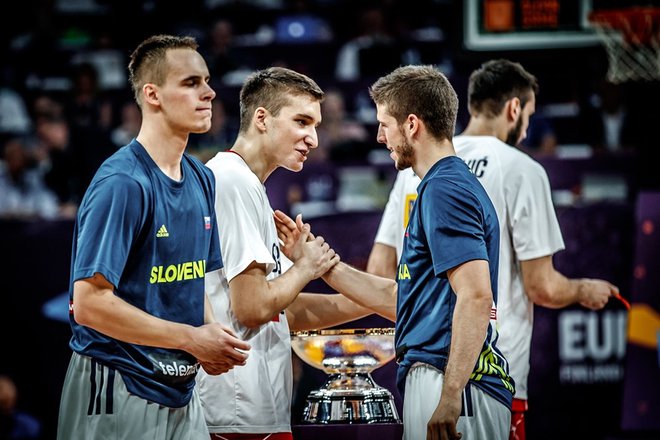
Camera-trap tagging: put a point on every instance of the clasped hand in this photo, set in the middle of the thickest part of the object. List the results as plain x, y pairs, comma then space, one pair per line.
299, 245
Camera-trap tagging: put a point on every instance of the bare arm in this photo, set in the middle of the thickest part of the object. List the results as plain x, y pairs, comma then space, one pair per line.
209, 317
256, 300
311, 311
368, 290
474, 298
96, 306
382, 261
547, 287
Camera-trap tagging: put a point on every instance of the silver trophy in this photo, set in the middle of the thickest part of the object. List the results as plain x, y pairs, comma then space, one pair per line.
350, 394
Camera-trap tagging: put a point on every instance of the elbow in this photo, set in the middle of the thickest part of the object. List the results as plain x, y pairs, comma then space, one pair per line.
539, 294
485, 303
83, 315
250, 319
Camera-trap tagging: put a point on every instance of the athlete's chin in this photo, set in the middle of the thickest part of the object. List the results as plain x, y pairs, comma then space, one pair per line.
296, 167
400, 165
202, 127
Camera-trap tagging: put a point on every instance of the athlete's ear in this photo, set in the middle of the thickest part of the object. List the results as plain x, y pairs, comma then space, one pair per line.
513, 107
412, 124
259, 118
150, 94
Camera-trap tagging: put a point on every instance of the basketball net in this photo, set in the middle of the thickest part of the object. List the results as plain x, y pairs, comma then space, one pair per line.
631, 38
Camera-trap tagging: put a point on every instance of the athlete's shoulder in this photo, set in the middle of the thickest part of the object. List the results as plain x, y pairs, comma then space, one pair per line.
198, 166
230, 169
520, 162
123, 166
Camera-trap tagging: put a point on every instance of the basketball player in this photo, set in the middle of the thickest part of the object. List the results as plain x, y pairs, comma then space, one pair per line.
257, 293
144, 237
501, 99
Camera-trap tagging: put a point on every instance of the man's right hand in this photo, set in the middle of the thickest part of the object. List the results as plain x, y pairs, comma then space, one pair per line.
217, 348
594, 294
300, 246
313, 254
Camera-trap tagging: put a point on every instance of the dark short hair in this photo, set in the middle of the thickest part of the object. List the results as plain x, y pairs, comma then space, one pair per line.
148, 61
496, 82
271, 89
421, 90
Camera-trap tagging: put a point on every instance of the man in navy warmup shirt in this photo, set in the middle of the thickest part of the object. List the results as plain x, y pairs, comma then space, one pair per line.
144, 238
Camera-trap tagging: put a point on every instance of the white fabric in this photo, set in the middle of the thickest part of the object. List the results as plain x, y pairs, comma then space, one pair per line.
519, 188
483, 417
397, 210
255, 398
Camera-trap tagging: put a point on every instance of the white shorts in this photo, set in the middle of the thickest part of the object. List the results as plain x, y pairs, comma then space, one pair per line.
483, 417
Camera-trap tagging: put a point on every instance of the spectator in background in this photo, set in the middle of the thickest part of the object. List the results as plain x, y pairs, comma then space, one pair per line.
14, 116
107, 60
129, 125
90, 117
606, 119
84, 106
53, 137
338, 133
227, 63
14, 423
374, 51
25, 194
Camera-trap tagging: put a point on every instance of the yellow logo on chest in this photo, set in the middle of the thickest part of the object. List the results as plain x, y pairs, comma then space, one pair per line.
404, 273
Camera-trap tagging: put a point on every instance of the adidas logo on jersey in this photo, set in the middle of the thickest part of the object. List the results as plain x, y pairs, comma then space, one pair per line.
162, 232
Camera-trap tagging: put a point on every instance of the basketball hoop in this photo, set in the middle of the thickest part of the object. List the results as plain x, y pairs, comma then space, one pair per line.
631, 38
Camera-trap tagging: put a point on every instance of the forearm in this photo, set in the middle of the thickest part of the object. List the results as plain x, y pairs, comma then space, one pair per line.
209, 316
559, 292
312, 311
103, 311
255, 300
382, 261
547, 287
469, 329
376, 293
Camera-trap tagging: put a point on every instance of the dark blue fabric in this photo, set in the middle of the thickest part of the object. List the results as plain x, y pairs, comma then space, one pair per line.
452, 222
153, 238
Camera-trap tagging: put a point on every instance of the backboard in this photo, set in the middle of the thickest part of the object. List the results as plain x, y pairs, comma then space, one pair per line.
494, 25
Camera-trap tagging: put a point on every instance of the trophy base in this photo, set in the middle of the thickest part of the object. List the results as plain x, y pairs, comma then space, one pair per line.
350, 398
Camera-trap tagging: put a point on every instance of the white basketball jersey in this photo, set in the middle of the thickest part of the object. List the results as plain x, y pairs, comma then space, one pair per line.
519, 188
397, 210
255, 398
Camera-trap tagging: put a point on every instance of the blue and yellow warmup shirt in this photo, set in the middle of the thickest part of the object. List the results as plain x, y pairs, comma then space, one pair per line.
153, 238
452, 222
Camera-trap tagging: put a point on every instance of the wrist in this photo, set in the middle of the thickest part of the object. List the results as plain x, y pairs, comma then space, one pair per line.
581, 290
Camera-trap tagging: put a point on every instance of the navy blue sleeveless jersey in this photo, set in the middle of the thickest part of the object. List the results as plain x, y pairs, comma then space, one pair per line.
153, 238
452, 222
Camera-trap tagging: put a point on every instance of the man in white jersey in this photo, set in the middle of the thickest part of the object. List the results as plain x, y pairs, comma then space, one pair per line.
257, 293
501, 98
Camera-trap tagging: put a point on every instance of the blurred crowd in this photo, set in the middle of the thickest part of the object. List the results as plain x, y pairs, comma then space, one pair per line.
65, 104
